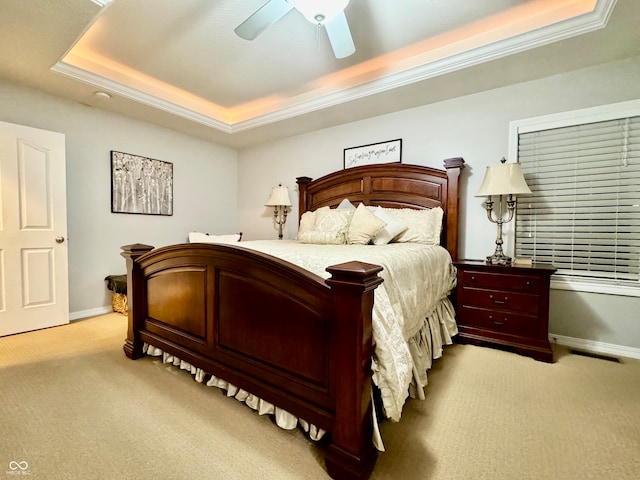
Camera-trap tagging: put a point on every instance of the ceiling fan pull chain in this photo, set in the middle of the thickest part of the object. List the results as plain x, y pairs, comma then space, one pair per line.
318, 37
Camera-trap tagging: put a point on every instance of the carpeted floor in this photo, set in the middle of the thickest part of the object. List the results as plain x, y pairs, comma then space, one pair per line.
72, 407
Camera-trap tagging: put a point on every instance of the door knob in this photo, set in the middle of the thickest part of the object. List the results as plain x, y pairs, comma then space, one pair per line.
59, 239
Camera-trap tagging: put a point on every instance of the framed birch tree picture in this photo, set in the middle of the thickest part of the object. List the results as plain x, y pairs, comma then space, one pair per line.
141, 185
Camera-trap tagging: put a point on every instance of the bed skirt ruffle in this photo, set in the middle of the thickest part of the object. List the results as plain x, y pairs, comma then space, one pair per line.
426, 346
282, 418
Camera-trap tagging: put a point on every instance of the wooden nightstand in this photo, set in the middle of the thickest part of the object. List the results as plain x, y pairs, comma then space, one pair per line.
505, 305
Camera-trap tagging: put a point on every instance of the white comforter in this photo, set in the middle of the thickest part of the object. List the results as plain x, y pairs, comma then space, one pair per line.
416, 279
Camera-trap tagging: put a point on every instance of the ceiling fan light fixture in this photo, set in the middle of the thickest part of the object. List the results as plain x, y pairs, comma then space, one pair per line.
319, 12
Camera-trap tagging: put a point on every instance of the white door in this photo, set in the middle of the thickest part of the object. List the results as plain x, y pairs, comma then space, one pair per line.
34, 291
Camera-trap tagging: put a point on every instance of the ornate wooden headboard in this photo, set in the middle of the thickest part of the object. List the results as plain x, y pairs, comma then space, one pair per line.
392, 185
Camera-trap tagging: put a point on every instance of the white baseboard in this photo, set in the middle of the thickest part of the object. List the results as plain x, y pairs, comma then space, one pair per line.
89, 313
595, 347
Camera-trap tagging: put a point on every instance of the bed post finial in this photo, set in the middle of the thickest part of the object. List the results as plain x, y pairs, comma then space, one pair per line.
302, 195
454, 166
133, 344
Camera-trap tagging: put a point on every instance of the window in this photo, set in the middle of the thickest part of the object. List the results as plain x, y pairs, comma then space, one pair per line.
583, 215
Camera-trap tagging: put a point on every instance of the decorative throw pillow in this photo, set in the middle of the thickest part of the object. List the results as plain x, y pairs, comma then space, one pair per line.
424, 226
364, 226
308, 221
334, 221
346, 205
391, 230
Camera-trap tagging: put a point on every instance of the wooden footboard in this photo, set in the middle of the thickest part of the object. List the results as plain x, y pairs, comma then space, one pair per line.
269, 327
276, 330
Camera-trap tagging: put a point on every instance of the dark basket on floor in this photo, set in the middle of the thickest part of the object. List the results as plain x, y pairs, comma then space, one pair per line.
118, 286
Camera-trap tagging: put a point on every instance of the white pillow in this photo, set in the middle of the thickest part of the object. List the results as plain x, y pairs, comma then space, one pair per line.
334, 222
308, 221
198, 237
364, 226
391, 230
346, 205
424, 226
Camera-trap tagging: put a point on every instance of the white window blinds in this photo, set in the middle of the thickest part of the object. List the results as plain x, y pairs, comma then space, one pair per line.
584, 212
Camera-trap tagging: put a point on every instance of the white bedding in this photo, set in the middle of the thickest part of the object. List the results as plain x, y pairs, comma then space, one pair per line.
417, 280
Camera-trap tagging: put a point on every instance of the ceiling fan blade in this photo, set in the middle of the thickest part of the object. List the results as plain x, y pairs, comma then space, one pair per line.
340, 36
265, 16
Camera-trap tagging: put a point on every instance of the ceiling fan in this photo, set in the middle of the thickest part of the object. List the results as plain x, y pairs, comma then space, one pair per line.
326, 13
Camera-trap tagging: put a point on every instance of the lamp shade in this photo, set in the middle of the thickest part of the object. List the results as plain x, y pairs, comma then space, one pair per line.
503, 179
279, 197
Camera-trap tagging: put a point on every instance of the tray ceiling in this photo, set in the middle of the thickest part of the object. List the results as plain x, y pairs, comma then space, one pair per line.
183, 60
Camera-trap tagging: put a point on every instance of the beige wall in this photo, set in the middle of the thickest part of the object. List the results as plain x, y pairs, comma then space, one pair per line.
205, 179
475, 127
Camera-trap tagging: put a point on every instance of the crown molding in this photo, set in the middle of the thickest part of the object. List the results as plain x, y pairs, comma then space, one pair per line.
303, 104
140, 96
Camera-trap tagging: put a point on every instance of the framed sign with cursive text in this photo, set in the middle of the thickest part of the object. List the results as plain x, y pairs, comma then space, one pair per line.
384, 152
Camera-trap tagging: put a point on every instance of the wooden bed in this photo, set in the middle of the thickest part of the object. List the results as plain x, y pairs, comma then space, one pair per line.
235, 313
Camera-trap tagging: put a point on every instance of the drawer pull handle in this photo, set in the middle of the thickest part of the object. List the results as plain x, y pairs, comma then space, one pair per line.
473, 279
499, 302
497, 322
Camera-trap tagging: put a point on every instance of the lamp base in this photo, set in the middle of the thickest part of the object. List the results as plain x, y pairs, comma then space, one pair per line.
499, 259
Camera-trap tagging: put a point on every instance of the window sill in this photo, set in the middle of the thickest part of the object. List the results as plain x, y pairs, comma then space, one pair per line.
578, 286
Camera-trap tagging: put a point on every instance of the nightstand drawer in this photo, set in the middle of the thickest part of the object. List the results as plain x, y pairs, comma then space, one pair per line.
521, 283
500, 299
504, 322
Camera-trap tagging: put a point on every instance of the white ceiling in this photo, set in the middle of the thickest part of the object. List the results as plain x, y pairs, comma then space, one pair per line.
179, 64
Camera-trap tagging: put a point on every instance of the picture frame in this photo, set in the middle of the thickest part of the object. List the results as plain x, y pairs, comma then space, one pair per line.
389, 151
141, 185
